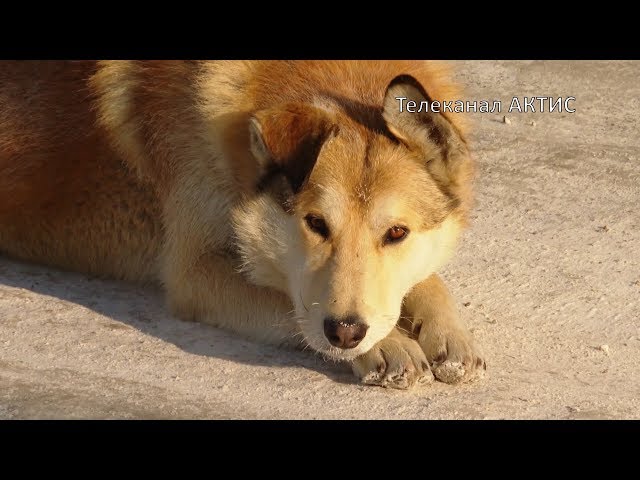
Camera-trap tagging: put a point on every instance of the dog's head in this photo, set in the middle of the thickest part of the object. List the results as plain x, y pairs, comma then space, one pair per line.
356, 206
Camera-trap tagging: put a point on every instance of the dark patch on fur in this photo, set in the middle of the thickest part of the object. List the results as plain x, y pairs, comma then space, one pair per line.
367, 153
275, 184
366, 115
436, 129
304, 157
293, 135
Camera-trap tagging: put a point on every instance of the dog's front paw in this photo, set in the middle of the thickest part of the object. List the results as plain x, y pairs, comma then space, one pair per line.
452, 353
395, 362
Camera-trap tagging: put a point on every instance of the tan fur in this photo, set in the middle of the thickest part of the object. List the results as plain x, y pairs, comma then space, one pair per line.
199, 176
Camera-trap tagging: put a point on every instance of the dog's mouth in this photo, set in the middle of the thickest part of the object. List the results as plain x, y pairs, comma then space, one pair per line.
340, 354
329, 352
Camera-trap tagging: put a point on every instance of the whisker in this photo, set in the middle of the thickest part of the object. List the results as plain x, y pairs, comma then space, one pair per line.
404, 330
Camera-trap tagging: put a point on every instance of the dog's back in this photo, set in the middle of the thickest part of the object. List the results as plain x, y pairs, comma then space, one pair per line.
66, 199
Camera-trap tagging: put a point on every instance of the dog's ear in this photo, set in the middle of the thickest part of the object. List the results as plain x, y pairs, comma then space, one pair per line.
430, 133
287, 140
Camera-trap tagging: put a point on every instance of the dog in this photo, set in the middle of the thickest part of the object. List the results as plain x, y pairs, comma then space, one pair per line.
293, 202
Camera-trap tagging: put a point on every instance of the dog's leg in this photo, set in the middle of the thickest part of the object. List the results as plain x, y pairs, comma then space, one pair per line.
212, 291
429, 315
447, 344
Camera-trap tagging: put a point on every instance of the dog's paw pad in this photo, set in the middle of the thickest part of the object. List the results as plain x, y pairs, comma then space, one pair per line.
455, 372
449, 372
373, 378
427, 377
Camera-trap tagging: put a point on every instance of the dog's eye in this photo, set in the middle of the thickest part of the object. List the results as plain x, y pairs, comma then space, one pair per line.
396, 234
317, 224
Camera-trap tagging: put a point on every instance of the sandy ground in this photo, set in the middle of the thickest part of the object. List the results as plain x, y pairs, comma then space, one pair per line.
547, 278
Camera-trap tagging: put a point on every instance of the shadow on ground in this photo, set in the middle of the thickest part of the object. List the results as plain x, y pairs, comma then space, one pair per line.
142, 308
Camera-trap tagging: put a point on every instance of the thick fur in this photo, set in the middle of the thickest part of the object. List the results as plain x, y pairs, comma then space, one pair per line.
201, 176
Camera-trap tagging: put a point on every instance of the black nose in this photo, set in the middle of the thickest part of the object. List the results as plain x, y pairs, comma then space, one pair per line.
346, 332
